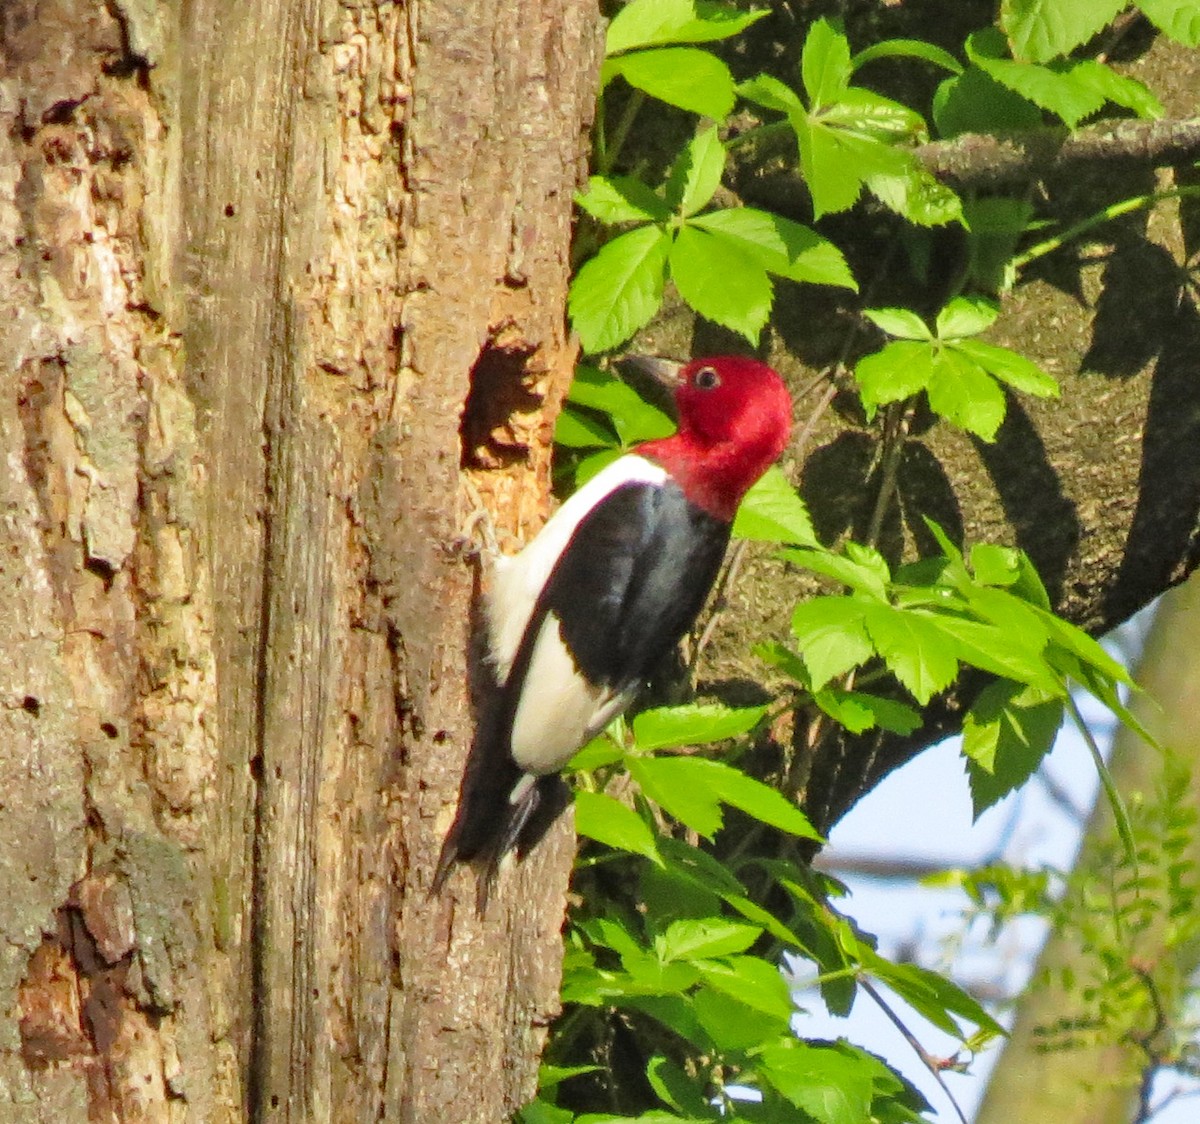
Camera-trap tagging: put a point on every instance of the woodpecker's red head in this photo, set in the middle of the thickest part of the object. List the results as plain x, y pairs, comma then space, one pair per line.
735, 418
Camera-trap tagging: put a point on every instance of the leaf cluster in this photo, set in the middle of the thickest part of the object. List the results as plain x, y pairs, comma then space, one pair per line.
1134, 920
690, 963
685, 917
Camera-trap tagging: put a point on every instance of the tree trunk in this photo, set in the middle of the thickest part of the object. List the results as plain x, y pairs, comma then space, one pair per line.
276, 278
1040, 1075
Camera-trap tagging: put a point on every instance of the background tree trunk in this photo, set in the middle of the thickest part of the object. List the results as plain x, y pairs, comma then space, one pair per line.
1040, 1075
275, 277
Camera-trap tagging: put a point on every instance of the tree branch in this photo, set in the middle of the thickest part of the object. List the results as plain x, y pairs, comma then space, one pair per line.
976, 159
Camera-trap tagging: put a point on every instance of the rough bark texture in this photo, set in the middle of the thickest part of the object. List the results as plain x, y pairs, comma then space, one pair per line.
260, 266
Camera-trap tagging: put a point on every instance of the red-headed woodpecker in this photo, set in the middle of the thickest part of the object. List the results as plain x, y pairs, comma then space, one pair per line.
579, 619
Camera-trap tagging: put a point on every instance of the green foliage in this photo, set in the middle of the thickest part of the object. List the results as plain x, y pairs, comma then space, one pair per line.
1130, 917
685, 912
960, 376
698, 956
849, 137
923, 624
721, 261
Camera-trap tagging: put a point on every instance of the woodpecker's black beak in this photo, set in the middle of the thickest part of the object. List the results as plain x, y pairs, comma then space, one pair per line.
653, 378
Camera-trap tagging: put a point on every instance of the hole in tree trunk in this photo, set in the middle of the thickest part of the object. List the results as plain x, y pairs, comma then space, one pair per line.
499, 389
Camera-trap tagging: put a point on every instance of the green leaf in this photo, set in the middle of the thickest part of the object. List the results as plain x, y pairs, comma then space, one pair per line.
1079, 643
995, 565
1119, 89
858, 711
632, 416
832, 636
756, 799
1010, 367
732, 1025
861, 568
931, 995
771, 93
647, 975
614, 199
616, 292
676, 1088
686, 77
608, 821
772, 511
914, 193
1055, 90
1040, 30
825, 63
902, 323
598, 753
756, 982
689, 788
542, 1112
669, 894
829, 170
720, 282
914, 649
654, 1116
696, 173
996, 225
1004, 741
586, 468
551, 1075
1180, 19
1005, 652
669, 727
976, 103
906, 48
781, 657
648, 23
822, 1081
779, 245
1053, 87
966, 316
611, 934
575, 430
703, 938
671, 783
873, 117
963, 393
897, 371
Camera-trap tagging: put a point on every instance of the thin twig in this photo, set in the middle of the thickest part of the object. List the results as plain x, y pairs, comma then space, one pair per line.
729, 575
620, 134
927, 1059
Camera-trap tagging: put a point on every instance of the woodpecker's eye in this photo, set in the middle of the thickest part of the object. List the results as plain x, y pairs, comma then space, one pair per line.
706, 379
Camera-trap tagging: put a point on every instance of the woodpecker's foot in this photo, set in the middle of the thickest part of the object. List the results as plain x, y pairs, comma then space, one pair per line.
476, 540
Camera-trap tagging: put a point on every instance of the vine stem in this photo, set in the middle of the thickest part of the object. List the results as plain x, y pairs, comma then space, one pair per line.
1107, 214
1120, 814
612, 148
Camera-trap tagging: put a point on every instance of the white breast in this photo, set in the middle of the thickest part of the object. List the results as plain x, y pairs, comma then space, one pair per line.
562, 710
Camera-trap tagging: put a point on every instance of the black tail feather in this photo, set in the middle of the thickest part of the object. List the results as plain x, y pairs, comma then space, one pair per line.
490, 823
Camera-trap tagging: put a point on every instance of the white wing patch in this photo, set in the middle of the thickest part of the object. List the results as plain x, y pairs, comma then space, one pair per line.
517, 581
562, 710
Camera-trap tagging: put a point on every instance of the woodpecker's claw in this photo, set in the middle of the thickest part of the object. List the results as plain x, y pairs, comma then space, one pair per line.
477, 538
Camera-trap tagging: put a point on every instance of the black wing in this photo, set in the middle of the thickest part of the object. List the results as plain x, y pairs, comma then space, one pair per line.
632, 582
625, 590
